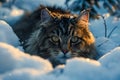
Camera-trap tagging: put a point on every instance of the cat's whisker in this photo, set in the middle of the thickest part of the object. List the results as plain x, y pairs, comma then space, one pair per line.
56, 37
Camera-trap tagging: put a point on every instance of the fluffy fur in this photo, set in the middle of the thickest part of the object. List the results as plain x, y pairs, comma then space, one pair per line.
58, 35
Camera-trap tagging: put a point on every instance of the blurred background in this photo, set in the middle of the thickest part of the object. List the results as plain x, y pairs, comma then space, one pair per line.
98, 7
104, 15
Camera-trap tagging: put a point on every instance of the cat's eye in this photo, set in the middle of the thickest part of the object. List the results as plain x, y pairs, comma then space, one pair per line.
55, 39
75, 39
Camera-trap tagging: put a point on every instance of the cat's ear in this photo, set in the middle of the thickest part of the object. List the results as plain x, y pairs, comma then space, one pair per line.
83, 16
45, 14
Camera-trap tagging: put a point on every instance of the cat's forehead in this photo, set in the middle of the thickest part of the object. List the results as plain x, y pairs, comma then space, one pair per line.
62, 15
63, 27
65, 20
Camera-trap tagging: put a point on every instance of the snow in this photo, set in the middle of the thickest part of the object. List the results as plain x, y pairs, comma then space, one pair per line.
107, 67
31, 5
114, 54
7, 35
11, 15
17, 65
86, 69
111, 22
105, 45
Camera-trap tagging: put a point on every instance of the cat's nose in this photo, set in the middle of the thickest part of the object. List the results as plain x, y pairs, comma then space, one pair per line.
65, 51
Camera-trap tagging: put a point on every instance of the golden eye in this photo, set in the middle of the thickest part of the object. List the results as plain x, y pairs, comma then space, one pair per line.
75, 39
55, 39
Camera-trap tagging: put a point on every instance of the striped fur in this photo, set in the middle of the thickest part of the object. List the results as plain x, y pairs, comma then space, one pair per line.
60, 36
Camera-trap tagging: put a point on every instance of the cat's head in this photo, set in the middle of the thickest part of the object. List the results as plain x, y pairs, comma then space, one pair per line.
61, 36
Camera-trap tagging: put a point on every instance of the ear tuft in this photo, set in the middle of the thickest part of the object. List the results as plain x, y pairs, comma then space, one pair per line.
84, 15
45, 14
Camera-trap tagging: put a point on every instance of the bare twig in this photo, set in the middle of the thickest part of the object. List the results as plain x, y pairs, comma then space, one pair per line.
112, 31
105, 25
102, 43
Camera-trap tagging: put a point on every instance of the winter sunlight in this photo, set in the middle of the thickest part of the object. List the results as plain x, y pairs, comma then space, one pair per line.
39, 40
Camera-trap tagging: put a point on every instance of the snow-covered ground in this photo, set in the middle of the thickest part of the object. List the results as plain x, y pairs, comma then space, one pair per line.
17, 65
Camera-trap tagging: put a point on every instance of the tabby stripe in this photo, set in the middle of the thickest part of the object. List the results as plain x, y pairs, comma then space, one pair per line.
62, 28
71, 31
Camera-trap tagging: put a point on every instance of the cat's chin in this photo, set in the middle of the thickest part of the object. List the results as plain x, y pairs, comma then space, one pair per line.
62, 60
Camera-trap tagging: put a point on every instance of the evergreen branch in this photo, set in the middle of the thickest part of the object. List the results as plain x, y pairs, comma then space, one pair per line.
11, 3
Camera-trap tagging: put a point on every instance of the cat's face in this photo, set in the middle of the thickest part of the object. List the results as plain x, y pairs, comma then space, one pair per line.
62, 37
63, 46
63, 42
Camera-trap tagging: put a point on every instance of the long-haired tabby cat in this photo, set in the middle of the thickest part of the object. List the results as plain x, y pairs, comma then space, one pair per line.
57, 35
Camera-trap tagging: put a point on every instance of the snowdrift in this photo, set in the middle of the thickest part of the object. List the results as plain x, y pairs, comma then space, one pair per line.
17, 65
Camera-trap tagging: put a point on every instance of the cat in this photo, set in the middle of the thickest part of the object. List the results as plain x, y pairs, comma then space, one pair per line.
58, 35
